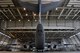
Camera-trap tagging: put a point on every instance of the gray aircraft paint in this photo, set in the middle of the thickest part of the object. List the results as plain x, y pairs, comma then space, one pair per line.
40, 37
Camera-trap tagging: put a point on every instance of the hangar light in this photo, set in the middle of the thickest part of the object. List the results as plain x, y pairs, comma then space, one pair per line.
34, 14
26, 14
10, 20
35, 20
28, 20
56, 8
19, 20
24, 8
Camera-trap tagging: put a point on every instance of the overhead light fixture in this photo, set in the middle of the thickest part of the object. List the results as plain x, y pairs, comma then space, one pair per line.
19, 20
10, 20
24, 8
56, 8
28, 20
35, 20
34, 14
26, 14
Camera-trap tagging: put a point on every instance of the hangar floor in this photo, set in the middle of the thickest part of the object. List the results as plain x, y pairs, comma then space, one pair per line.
40, 52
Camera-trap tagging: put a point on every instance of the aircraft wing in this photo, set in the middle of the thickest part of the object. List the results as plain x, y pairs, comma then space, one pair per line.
35, 7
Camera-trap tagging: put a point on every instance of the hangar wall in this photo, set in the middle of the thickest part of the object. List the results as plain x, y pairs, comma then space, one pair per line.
46, 23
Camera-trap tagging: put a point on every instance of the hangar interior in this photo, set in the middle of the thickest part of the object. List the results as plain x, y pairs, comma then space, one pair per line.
61, 25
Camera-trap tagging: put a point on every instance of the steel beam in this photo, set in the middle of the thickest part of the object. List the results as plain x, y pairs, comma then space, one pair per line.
76, 14
61, 13
68, 14
4, 14
47, 15
19, 13
11, 13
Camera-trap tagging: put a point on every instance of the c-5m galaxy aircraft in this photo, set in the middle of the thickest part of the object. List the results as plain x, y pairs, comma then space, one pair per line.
40, 7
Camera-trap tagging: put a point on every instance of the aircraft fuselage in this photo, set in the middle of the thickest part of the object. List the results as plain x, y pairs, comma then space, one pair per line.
40, 37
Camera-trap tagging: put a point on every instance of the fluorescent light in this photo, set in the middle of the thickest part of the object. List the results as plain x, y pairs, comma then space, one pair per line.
56, 8
35, 20
24, 8
26, 14
10, 20
28, 20
19, 20
34, 14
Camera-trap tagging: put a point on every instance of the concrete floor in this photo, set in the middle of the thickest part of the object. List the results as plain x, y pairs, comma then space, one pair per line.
38, 52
